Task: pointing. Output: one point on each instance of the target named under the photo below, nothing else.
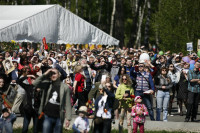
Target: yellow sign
(92, 46)
(68, 46)
(86, 46)
(99, 46)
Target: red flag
(45, 44)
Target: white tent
(55, 23)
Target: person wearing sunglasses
(174, 75)
(163, 85)
(144, 82)
(123, 94)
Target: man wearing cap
(193, 93)
(144, 82)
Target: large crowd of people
(102, 84)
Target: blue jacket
(6, 125)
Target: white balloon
(143, 57)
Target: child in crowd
(6, 121)
(69, 83)
(139, 111)
(81, 123)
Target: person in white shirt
(103, 108)
(81, 123)
(174, 75)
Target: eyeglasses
(164, 70)
(124, 79)
(108, 86)
(140, 66)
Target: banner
(189, 46)
(8, 65)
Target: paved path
(175, 122)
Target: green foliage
(176, 22)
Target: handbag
(98, 120)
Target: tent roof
(58, 25)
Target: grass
(19, 130)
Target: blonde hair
(129, 81)
(78, 69)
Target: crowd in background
(101, 84)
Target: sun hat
(82, 109)
(136, 98)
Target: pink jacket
(139, 118)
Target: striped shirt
(144, 81)
(193, 86)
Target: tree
(113, 17)
(176, 24)
(119, 22)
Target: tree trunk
(48, 2)
(119, 22)
(113, 17)
(108, 14)
(90, 10)
(69, 5)
(146, 32)
(141, 16)
(82, 8)
(135, 11)
(100, 9)
(76, 7)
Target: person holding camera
(55, 101)
(30, 108)
(123, 94)
(103, 108)
(103, 68)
